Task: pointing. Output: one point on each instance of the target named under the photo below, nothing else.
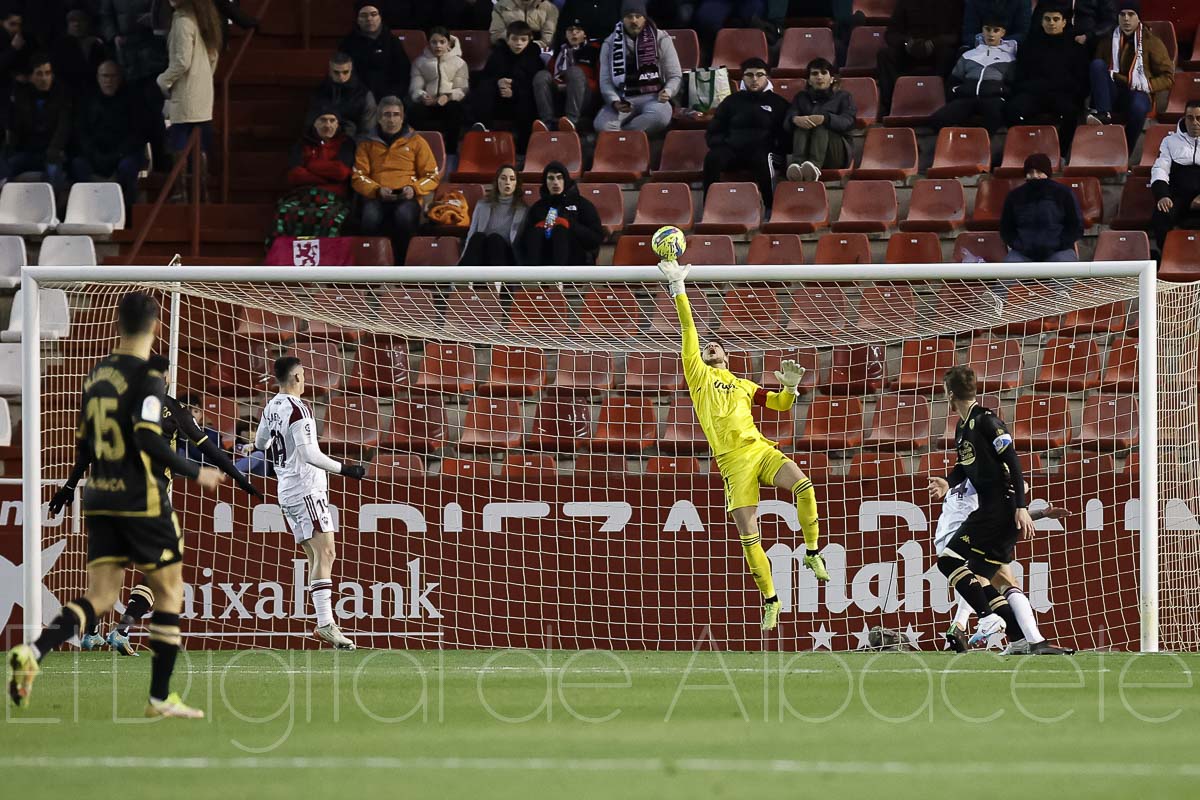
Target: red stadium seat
(1043, 421)
(1181, 256)
(843, 248)
(866, 101)
(989, 204)
(1079, 464)
(654, 372)
(915, 99)
(833, 423)
(447, 367)
(593, 465)
(432, 251)
(474, 312)
(1091, 200)
(961, 153)
(1165, 30)
(466, 468)
(709, 250)
(1108, 318)
(665, 319)
(886, 308)
(870, 464)
(561, 424)
(414, 42)
(1121, 372)
(621, 156)
(634, 251)
(1022, 142)
(221, 414)
(381, 366)
(547, 146)
(936, 205)
(682, 433)
(529, 468)
(888, 154)
(609, 203)
(1136, 208)
(749, 311)
(813, 464)
(476, 47)
(672, 465)
(997, 363)
(863, 53)
(687, 47)
(352, 426)
(901, 421)
(735, 45)
(396, 468)
(985, 245)
(807, 357)
(265, 326)
(923, 363)
(660, 204)
(481, 153)
(1110, 422)
(857, 369)
(800, 46)
(610, 309)
(515, 371)
(583, 372)
(418, 423)
(799, 208)
(937, 463)
(1099, 151)
(492, 424)
(1025, 300)
(914, 248)
(780, 248)
(867, 207)
(536, 308)
(1151, 143)
(1122, 246)
(733, 208)
(1068, 365)
(877, 11)
(414, 306)
(818, 309)
(335, 297)
(627, 424)
(437, 145)
(682, 157)
(322, 363)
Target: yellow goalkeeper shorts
(745, 469)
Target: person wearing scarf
(639, 74)
(570, 80)
(819, 120)
(1129, 69)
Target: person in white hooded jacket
(980, 82)
(438, 86)
(1175, 177)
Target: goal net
(537, 477)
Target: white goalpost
(536, 478)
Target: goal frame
(1145, 271)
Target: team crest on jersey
(306, 252)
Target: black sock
(140, 601)
(772, 599)
(808, 552)
(95, 629)
(963, 580)
(998, 605)
(77, 615)
(164, 644)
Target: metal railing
(192, 152)
(225, 81)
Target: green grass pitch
(559, 724)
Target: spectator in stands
(505, 90)
(110, 141)
(1128, 71)
(922, 38)
(320, 167)
(343, 91)
(439, 88)
(639, 74)
(77, 55)
(496, 223)
(747, 132)
(128, 28)
(379, 58)
(41, 125)
(1041, 220)
(187, 83)
(14, 59)
(597, 17)
(393, 169)
(1013, 15)
(819, 120)
(1175, 178)
(1051, 76)
(540, 15)
(1093, 21)
(566, 90)
(981, 81)
(562, 228)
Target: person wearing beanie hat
(1012, 15)
(562, 228)
(981, 81)
(1128, 71)
(1051, 76)
(639, 74)
(319, 171)
(571, 81)
(541, 15)
(379, 57)
(1041, 220)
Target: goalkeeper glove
(62, 498)
(354, 471)
(674, 272)
(789, 376)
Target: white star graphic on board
(822, 637)
(863, 637)
(913, 636)
(12, 586)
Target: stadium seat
(529, 468)
(915, 99)
(413, 41)
(866, 101)
(1107, 318)
(481, 153)
(961, 153)
(682, 157)
(681, 466)
(818, 309)
(583, 372)
(687, 47)
(873, 464)
(843, 248)
(447, 367)
(1121, 371)
(418, 423)
(561, 423)
(1043, 421)
(813, 464)
(888, 154)
(682, 433)
(885, 308)
(352, 426)
(660, 204)
(655, 373)
(473, 313)
(735, 45)
(937, 463)
(627, 424)
(1110, 422)
(432, 251)
(989, 204)
(476, 47)
(800, 46)
(868, 206)
(260, 325)
(536, 309)
(997, 363)
(396, 468)
(923, 364)
(10, 369)
(863, 52)
(1023, 141)
(1068, 365)
(900, 421)
(876, 11)
(798, 208)
(1151, 143)
(437, 146)
(936, 205)
(594, 465)
(914, 248)
(709, 250)
(780, 248)
(492, 423)
(515, 372)
(832, 423)
(664, 319)
(621, 157)
(1136, 207)
(12, 258)
(1122, 246)
(857, 369)
(1091, 198)
(1165, 30)
(787, 87)
(221, 414)
(807, 357)
(334, 297)
(732, 208)
(1181, 256)
(468, 468)
(609, 203)
(375, 251)
(1079, 464)
(94, 209)
(67, 251)
(323, 369)
(610, 310)
(749, 311)
(27, 209)
(473, 192)
(547, 146)
(381, 366)
(634, 251)
(415, 306)
(984, 246)
(1099, 151)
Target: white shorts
(311, 515)
(958, 505)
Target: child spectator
(496, 223)
(981, 81)
(566, 90)
(505, 89)
(439, 86)
(819, 121)
(319, 174)
(1012, 15)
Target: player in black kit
(127, 504)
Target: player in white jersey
(288, 435)
(960, 501)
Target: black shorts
(147, 543)
(987, 538)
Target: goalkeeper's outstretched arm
(693, 365)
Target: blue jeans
(1014, 257)
(254, 464)
(29, 161)
(1109, 96)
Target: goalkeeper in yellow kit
(745, 458)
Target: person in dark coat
(1051, 76)
(77, 55)
(110, 139)
(1013, 15)
(127, 27)
(747, 131)
(505, 90)
(1094, 21)
(562, 228)
(1041, 220)
(41, 125)
(379, 57)
(922, 38)
(344, 92)
(819, 120)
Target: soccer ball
(668, 243)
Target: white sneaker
(173, 706)
(810, 172)
(990, 624)
(333, 635)
(1018, 648)
(793, 173)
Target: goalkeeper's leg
(792, 478)
(746, 519)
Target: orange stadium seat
(863, 52)
(779, 248)
(1122, 246)
(260, 325)
(437, 145)
(833, 423)
(865, 92)
(997, 363)
(901, 421)
(682, 432)
(515, 371)
(1023, 141)
(1068, 365)
(672, 465)
(547, 146)
(466, 468)
(885, 307)
(733, 208)
(989, 204)
(1099, 151)
(799, 208)
(750, 310)
(888, 154)
(868, 206)
(923, 363)
(529, 467)
(936, 205)
(538, 308)
(1108, 318)
(800, 46)
(1121, 372)
(807, 357)
(481, 153)
(818, 309)
(874, 464)
(433, 251)
(610, 310)
(915, 99)
(814, 464)
(735, 45)
(1079, 463)
(1110, 422)
(654, 372)
(335, 297)
(634, 251)
(1181, 256)
(396, 468)
(561, 424)
(381, 366)
(975, 245)
(914, 248)
(352, 425)
(1043, 420)
(682, 157)
(709, 250)
(843, 248)
(609, 203)
(627, 424)
(583, 372)
(1151, 143)
(937, 463)
(961, 153)
(687, 47)
(593, 464)
(474, 312)
(1091, 199)
(1165, 30)
(621, 156)
(418, 423)
(476, 47)
(1136, 207)
(221, 414)
(492, 423)
(665, 319)
(447, 367)
(857, 369)
(660, 204)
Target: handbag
(707, 87)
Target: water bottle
(551, 217)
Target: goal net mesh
(537, 478)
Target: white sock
(962, 614)
(321, 591)
(1023, 611)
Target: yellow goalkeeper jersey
(722, 400)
